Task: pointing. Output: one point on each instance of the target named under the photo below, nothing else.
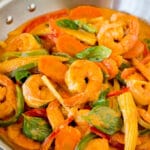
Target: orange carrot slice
(52, 67)
(85, 12)
(70, 45)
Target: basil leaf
(102, 100)
(85, 26)
(105, 119)
(95, 53)
(36, 128)
(120, 80)
(66, 23)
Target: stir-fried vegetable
(105, 119)
(19, 109)
(129, 111)
(95, 53)
(36, 128)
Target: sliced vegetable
(36, 128)
(130, 116)
(9, 55)
(85, 26)
(95, 53)
(67, 23)
(69, 44)
(86, 37)
(36, 112)
(105, 119)
(22, 73)
(102, 100)
(83, 142)
(19, 109)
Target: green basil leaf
(102, 100)
(105, 119)
(95, 53)
(66, 23)
(144, 131)
(85, 26)
(36, 128)
(120, 80)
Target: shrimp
(140, 91)
(23, 42)
(120, 34)
(35, 92)
(7, 96)
(17, 137)
(144, 114)
(84, 79)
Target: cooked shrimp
(120, 34)
(35, 92)
(144, 114)
(85, 77)
(23, 42)
(17, 137)
(7, 96)
(140, 91)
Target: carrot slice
(68, 44)
(44, 18)
(52, 67)
(85, 12)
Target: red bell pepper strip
(48, 141)
(117, 92)
(99, 133)
(45, 18)
(37, 112)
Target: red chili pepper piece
(37, 112)
(117, 92)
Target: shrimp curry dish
(76, 79)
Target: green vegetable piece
(85, 26)
(67, 23)
(21, 73)
(144, 131)
(124, 65)
(37, 39)
(9, 55)
(105, 119)
(95, 53)
(83, 143)
(102, 100)
(20, 76)
(121, 81)
(147, 42)
(19, 110)
(36, 128)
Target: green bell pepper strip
(83, 143)
(9, 55)
(19, 110)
